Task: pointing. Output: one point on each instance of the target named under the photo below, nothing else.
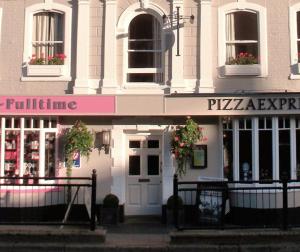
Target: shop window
(242, 39)
(144, 50)
(227, 149)
(245, 149)
(47, 46)
(265, 141)
(284, 148)
(29, 150)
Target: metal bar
(175, 194)
(93, 203)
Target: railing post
(175, 194)
(284, 202)
(93, 201)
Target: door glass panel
(134, 144)
(134, 165)
(50, 154)
(153, 165)
(154, 144)
(31, 153)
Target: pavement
(143, 235)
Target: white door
(143, 171)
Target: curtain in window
(230, 36)
(47, 34)
(157, 47)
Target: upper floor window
(144, 50)
(47, 43)
(242, 39)
(48, 38)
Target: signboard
(57, 105)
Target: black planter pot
(109, 216)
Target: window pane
(245, 157)
(142, 77)
(227, 154)
(284, 153)
(153, 144)
(265, 154)
(143, 45)
(48, 34)
(241, 25)
(50, 154)
(298, 26)
(134, 165)
(234, 49)
(31, 153)
(153, 165)
(134, 144)
(298, 152)
(141, 60)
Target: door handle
(144, 180)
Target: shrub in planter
(170, 208)
(110, 209)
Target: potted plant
(110, 209)
(244, 64)
(182, 144)
(46, 66)
(171, 207)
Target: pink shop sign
(57, 105)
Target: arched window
(144, 50)
(47, 35)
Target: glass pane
(298, 152)
(31, 153)
(242, 25)
(141, 60)
(233, 50)
(134, 165)
(265, 154)
(11, 156)
(228, 155)
(142, 77)
(245, 151)
(284, 154)
(298, 25)
(153, 165)
(144, 26)
(144, 45)
(50, 155)
(134, 144)
(153, 144)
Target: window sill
(46, 70)
(46, 78)
(242, 70)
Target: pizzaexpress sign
(260, 104)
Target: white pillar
(109, 83)
(177, 82)
(205, 83)
(82, 52)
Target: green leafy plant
(243, 58)
(182, 144)
(57, 59)
(110, 201)
(77, 139)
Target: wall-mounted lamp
(177, 17)
(105, 140)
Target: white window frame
(27, 54)
(122, 32)
(295, 71)
(245, 70)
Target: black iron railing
(237, 204)
(48, 200)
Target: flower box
(45, 70)
(242, 69)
